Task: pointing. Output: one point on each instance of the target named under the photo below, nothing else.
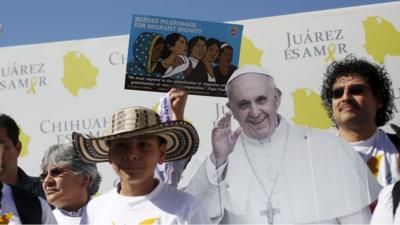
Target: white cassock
(310, 176)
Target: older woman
(68, 183)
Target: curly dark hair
(376, 75)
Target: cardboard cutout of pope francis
(270, 171)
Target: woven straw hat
(181, 137)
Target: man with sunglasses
(359, 99)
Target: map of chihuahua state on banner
(79, 73)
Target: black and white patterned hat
(181, 137)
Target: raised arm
(171, 172)
(223, 140)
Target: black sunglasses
(54, 172)
(356, 89)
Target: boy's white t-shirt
(8, 207)
(71, 218)
(164, 205)
(381, 156)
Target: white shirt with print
(381, 156)
(8, 207)
(164, 205)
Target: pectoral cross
(270, 212)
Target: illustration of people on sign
(197, 51)
(209, 60)
(174, 58)
(224, 68)
(204, 60)
(196, 55)
(146, 58)
(212, 53)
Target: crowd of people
(266, 171)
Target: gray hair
(65, 155)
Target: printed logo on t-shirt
(149, 221)
(5, 219)
(373, 163)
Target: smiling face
(356, 104)
(62, 187)
(135, 159)
(254, 103)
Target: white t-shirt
(381, 156)
(71, 218)
(164, 205)
(383, 213)
(8, 207)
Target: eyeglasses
(55, 172)
(356, 89)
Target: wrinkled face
(62, 187)
(156, 54)
(254, 104)
(353, 102)
(226, 56)
(180, 47)
(10, 154)
(135, 159)
(212, 53)
(199, 49)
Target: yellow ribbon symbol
(374, 164)
(331, 53)
(5, 219)
(149, 221)
(32, 86)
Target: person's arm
(223, 140)
(361, 217)
(198, 215)
(178, 98)
(208, 182)
(208, 186)
(171, 172)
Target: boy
(138, 141)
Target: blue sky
(27, 22)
